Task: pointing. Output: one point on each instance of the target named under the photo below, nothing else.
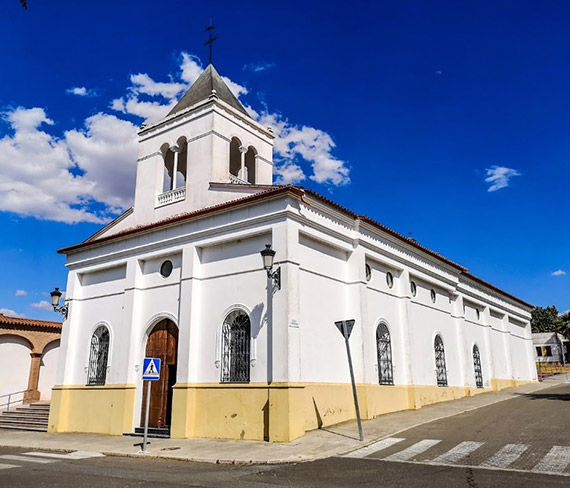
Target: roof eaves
(382, 227)
(185, 217)
(496, 289)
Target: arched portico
(37, 334)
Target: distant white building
(179, 276)
(549, 347)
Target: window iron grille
(236, 334)
(98, 357)
(477, 366)
(440, 367)
(384, 350)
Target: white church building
(246, 355)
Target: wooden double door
(162, 343)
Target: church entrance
(162, 343)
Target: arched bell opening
(235, 156)
(250, 157)
(175, 165)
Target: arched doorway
(162, 343)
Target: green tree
(546, 320)
(564, 328)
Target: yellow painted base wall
(279, 412)
(95, 409)
(233, 411)
(329, 404)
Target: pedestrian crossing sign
(151, 369)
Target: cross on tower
(210, 40)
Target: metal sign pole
(345, 328)
(146, 416)
(360, 435)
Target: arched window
(440, 369)
(477, 367)
(384, 351)
(236, 334)
(98, 356)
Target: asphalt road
(457, 450)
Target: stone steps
(163, 433)
(32, 417)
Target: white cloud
(311, 145)
(259, 66)
(21, 293)
(143, 83)
(39, 175)
(81, 91)
(558, 272)
(190, 68)
(43, 305)
(106, 149)
(7, 312)
(289, 173)
(499, 176)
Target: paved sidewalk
(331, 441)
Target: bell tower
(206, 151)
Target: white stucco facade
(334, 266)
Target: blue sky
(398, 110)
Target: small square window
(389, 279)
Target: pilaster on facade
(458, 314)
(290, 277)
(130, 321)
(486, 319)
(68, 364)
(190, 313)
(405, 336)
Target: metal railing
(12, 402)
(545, 369)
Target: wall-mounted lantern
(268, 255)
(55, 298)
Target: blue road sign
(151, 369)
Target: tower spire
(211, 39)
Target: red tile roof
(4, 320)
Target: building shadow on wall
(258, 320)
(328, 429)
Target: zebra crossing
(468, 453)
(30, 458)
